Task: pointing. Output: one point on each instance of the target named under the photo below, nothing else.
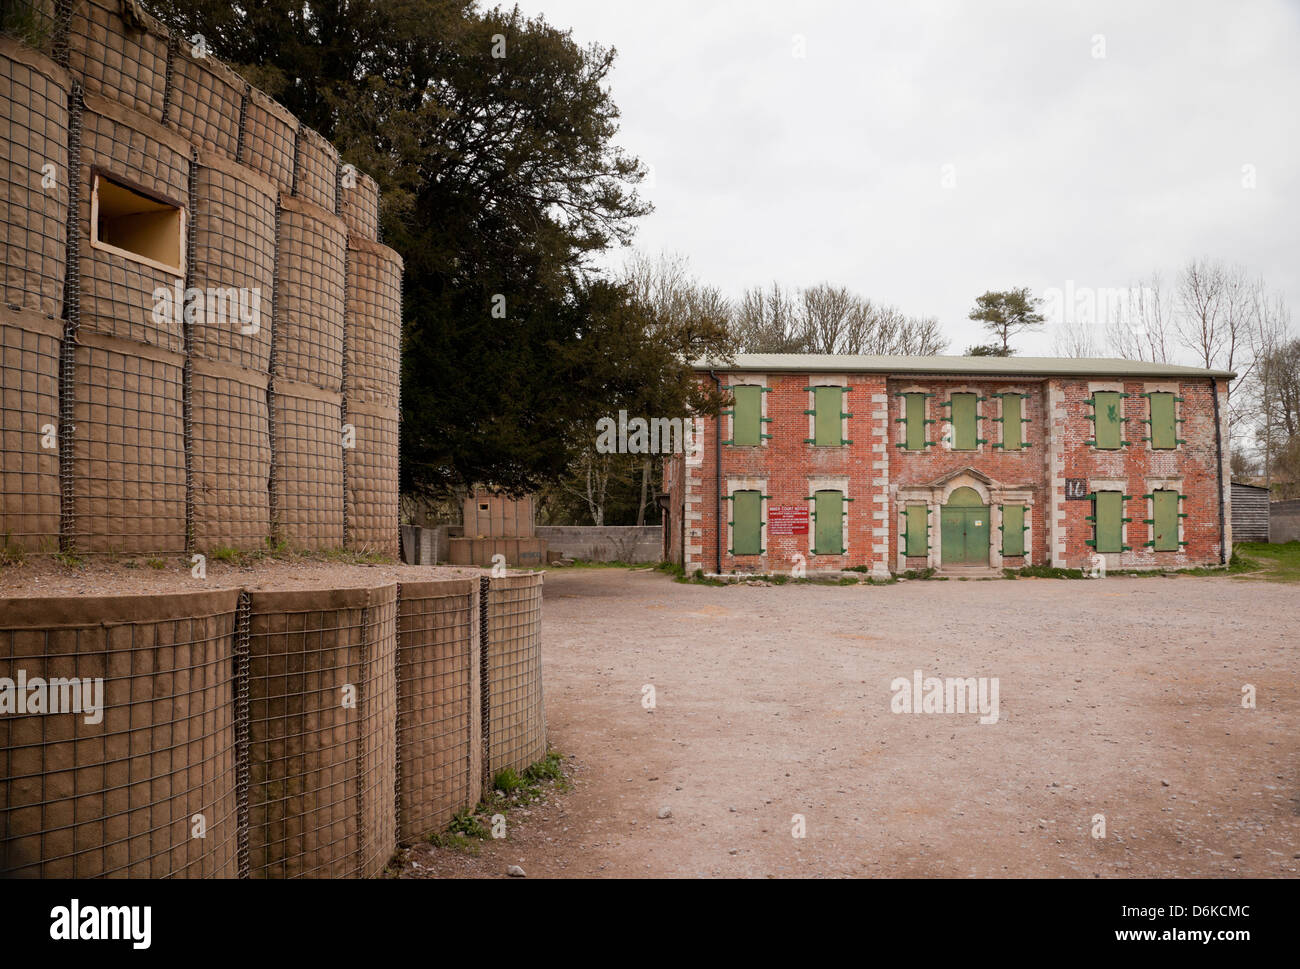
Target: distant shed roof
(957, 366)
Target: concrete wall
(605, 543)
(1284, 521)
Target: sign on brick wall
(1076, 488)
(787, 520)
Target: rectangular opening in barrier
(137, 226)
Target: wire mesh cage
(34, 181)
(370, 476)
(321, 732)
(120, 292)
(205, 100)
(372, 370)
(129, 448)
(145, 787)
(270, 130)
(516, 712)
(123, 61)
(359, 204)
(316, 170)
(439, 757)
(231, 459)
(309, 302)
(234, 264)
(307, 452)
(29, 420)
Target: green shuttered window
(1164, 426)
(828, 509)
(1108, 521)
(747, 416)
(1165, 538)
(1108, 414)
(1013, 529)
(746, 523)
(965, 429)
(918, 525)
(1012, 433)
(914, 415)
(828, 405)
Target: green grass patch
(1279, 562)
(507, 781)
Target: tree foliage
(1006, 314)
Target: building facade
(953, 463)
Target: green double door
(964, 527)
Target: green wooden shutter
(1108, 521)
(1166, 521)
(829, 512)
(1011, 432)
(918, 518)
(828, 403)
(1013, 529)
(746, 523)
(1164, 429)
(1108, 409)
(915, 416)
(963, 422)
(746, 425)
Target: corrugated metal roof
(954, 365)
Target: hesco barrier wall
(234, 250)
(516, 714)
(33, 198)
(439, 758)
(127, 795)
(129, 450)
(29, 412)
(126, 62)
(117, 292)
(316, 170)
(370, 473)
(321, 723)
(308, 446)
(270, 130)
(231, 456)
(232, 235)
(302, 733)
(359, 205)
(372, 370)
(309, 319)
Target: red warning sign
(787, 520)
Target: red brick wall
(1028, 466)
(875, 467)
(1193, 461)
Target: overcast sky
(1065, 165)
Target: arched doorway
(964, 529)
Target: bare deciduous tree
(830, 319)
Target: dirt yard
(1120, 697)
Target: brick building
(957, 463)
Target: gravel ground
(46, 576)
(1119, 697)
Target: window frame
(98, 174)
